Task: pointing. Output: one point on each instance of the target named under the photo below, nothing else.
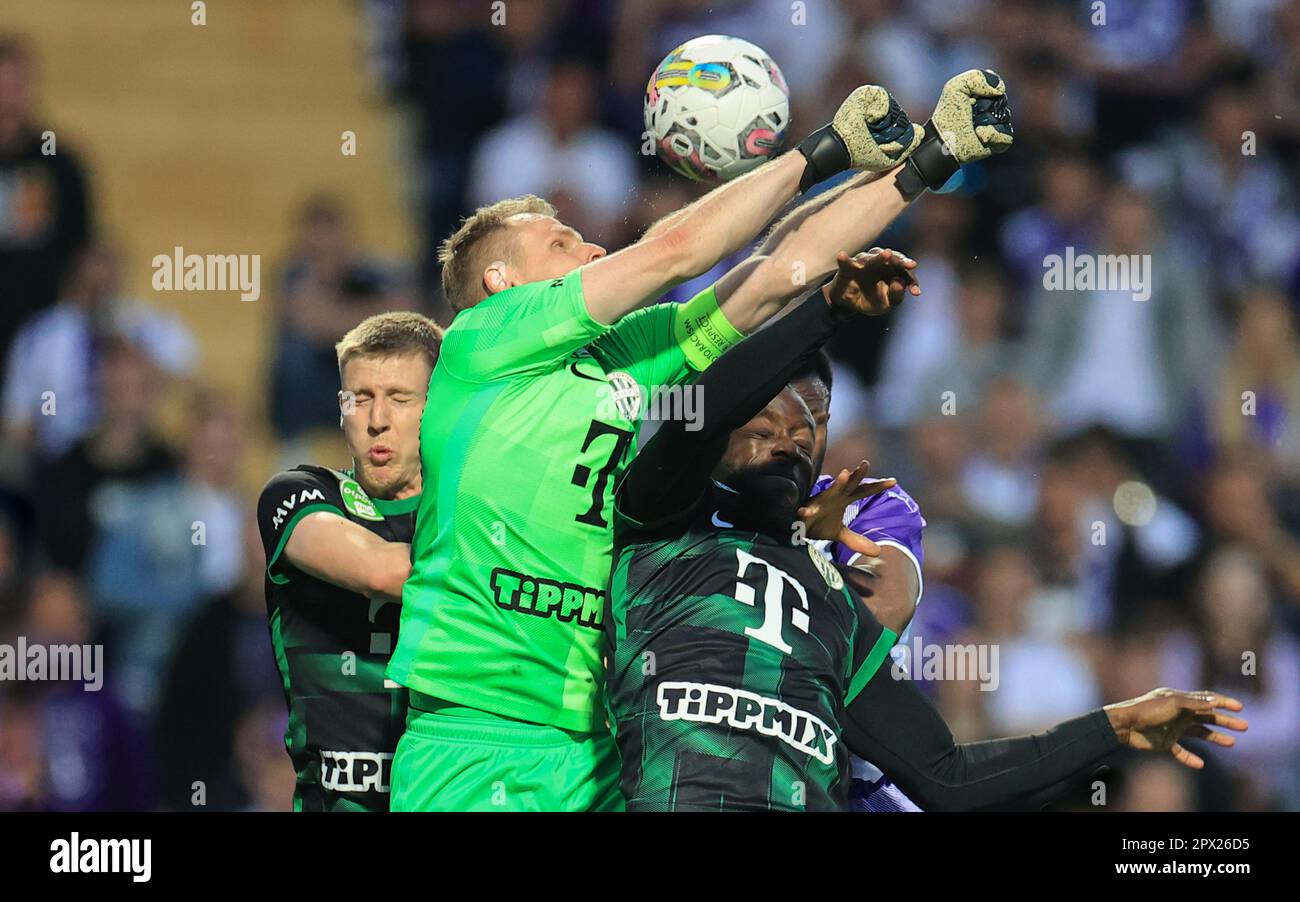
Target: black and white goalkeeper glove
(972, 121)
(870, 131)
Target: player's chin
(778, 492)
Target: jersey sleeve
(890, 518)
(285, 500)
(519, 330)
(871, 644)
(668, 344)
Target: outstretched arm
(802, 249)
(893, 725)
(670, 473)
(716, 225)
(869, 132)
(970, 122)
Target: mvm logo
(292, 503)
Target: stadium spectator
(50, 399)
(1239, 508)
(123, 447)
(1218, 176)
(1107, 354)
(558, 150)
(1064, 216)
(1242, 650)
(164, 545)
(329, 285)
(926, 333)
(44, 209)
(981, 354)
(91, 753)
(1039, 677)
(224, 645)
(1255, 397)
(998, 477)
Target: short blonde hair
(390, 335)
(465, 254)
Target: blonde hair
(464, 255)
(389, 335)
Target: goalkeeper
(501, 641)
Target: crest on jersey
(825, 568)
(626, 394)
(356, 500)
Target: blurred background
(1112, 487)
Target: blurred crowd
(1112, 485)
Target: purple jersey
(891, 518)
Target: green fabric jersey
(531, 418)
(331, 646)
(734, 655)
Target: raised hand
(870, 131)
(823, 515)
(972, 116)
(871, 283)
(1157, 721)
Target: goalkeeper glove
(870, 131)
(971, 122)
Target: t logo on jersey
(773, 593)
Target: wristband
(703, 331)
(827, 155)
(929, 166)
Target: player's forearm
(850, 222)
(891, 724)
(806, 251)
(685, 246)
(347, 555)
(728, 217)
(786, 225)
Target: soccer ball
(717, 107)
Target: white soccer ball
(716, 107)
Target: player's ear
(495, 278)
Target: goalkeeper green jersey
(531, 418)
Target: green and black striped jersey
(743, 669)
(734, 655)
(332, 645)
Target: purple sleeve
(892, 516)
